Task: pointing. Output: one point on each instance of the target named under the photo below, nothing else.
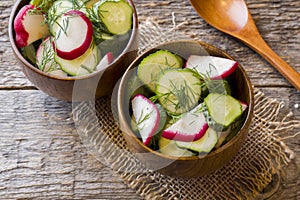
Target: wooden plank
(41, 155)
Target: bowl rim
(26, 63)
(147, 149)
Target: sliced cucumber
(223, 109)
(163, 117)
(178, 90)
(169, 147)
(203, 145)
(163, 57)
(217, 86)
(82, 65)
(43, 4)
(116, 15)
(29, 53)
(153, 65)
(89, 3)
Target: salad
(184, 107)
(73, 37)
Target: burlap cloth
(258, 163)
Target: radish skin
(105, 61)
(76, 36)
(192, 126)
(147, 117)
(214, 67)
(29, 27)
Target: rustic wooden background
(41, 155)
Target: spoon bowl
(233, 17)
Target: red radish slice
(73, 35)
(214, 67)
(147, 117)
(244, 106)
(105, 61)
(29, 26)
(192, 126)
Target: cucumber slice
(82, 65)
(43, 4)
(153, 65)
(169, 147)
(89, 3)
(29, 53)
(116, 16)
(223, 109)
(203, 145)
(163, 117)
(178, 90)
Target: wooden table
(41, 155)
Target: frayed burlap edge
(262, 157)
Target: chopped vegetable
(29, 26)
(190, 127)
(223, 109)
(212, 66)
(204, 145)
(178, 90)
(146, 116)
(153, 65)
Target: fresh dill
(142, 118)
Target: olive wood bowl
(99, 83)
(186, 167)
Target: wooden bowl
(194, 166)
(90, 86)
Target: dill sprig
(143, 117)
(100, 31)
(213, 86)
(181, 96)
(47, 63)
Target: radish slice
(29, 26)
(146, 116)
(244, 106)
(192, 126)
(73, 35)
(105, 61)
(211, 66)
(45, 56)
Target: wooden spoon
(234, 18)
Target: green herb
(143, 118)
(183, 95)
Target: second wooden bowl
(194, 166)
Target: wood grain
(41, 155)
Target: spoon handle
(257, 43)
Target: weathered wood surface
(41, 155)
